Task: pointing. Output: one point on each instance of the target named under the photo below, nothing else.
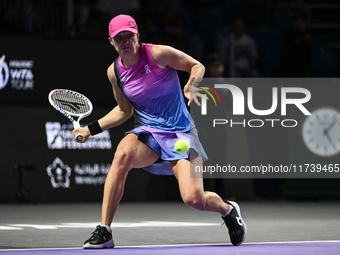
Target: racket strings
(71, 102)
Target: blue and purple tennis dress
(160, 113)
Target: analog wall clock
(321, 132)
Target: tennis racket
(71, 104)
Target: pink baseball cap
(122, 23)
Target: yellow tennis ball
(181, 146)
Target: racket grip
(79, 137)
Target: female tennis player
(146, 85)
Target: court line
(177, 245)
(218, 244)
(10, 227)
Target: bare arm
(122, 111)
(166, 56)
(117, 115)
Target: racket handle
(79, 137)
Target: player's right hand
(84, 131)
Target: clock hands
(326, 131)
(329, 138)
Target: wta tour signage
(17, 73)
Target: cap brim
(132, 30)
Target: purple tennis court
(301, 248)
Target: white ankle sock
(230, 208)
(108, 228)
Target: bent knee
(123, 158)
(195, 201)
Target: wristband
(95, 128)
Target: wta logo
(18, 73)
(4, 72)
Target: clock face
(321, 132)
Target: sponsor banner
(17, 74)
(60, 136)
(80, 173)
(30, 70)
(62, 170)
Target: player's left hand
(192, 92)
